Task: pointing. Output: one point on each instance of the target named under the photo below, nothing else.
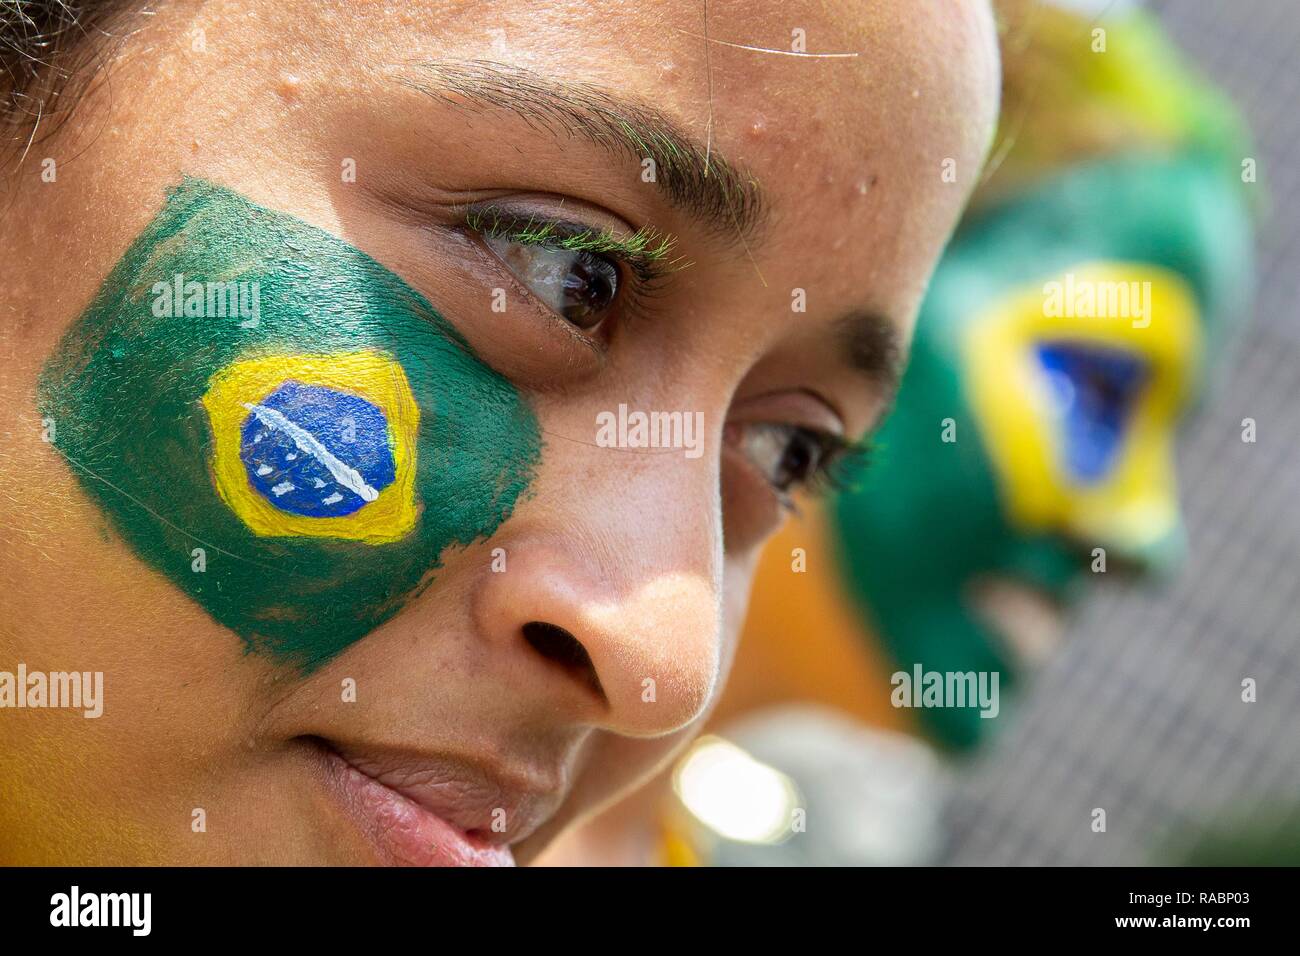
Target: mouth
(417, 811)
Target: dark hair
(49, 51)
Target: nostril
(560, 647)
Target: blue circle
(316, 451)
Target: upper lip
(494, 805)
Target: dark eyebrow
(874, 347)
(692, 176)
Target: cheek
(280, 425)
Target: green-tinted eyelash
(841, 464)
(844, 461)
(647, 252)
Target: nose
(619, 631)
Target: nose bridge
(631, 570)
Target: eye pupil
(578, 285)
(786, 455)
(589, 289)
(798, 461)
(793, 463)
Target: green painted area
(124, 387)
(926, 520)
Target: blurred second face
(1073, 322)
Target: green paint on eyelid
(125, 390)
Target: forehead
(863, 159)
(875, 135)
(850, 144)
(901, 79)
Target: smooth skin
(645, 560)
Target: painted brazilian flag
(316, 445)
(323, 448)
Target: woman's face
(489, 237)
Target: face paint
(323, 455)
(1063, 421)
(327, 452)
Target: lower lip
(403, 832)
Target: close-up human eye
(556, 433)
(581, 273)
(790, 457)
(579, 285)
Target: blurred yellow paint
(1134, 505)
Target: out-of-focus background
(1141, 712)
(1136, 736)
(1150, 709)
